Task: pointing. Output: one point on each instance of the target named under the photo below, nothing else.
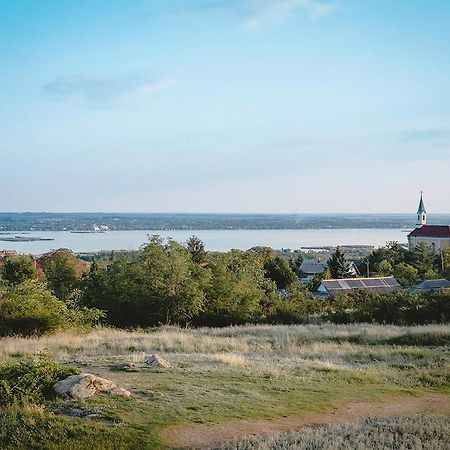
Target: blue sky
(224, 105)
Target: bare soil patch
(206, 435)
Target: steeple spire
(421, 212)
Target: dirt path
(205, 435)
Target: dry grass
(418, 432)
(308, 351)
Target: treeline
(181, 284)
(408, 267)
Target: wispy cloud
(250, 15)
(429, 134)
(101, 90)
(262, 13)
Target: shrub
(30, 380)
(29, 308)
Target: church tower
(421, 212)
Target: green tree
(385, 268)
(29, 308)
(279, 271)
(17, 269)
(406, 274)
(338, 266)
(173, 281)
(196, 248)
(237, 291)
(60, 269)
(423, 259)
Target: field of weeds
(235, 373)
(417, 432)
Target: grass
(229, 373)
(418, 432)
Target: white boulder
(156, 361)
(83, 386)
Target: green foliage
(338, 266)
(385, 268)
(295, 309)
(406, 274)
(26, 429)
(17, 269)
(60, 272)
(403, 308)
(279, 271)
(30, 380)
(237, 289)
(29, 308)
(197, 250)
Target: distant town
(33, 221)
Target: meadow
(223, 377)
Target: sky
(224, 105)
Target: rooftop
(435, 231)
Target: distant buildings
(312, 267)
(437, 237)
(430, 285)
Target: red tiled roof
(433, 231)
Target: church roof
(432, 231)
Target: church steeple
(421, 212)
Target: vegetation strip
(206, 435)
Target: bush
(402, 308)
(30, 380)
(29, 308)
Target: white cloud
(105, 89)
(263, 13)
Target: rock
(83, 386)
(156, 361)
(128, 367)
(120, 391)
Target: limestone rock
(83, 386)
(119, 391)
(127, 367)
(156, 361)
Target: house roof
(313, 267)
(431, 285)
(433, 231)
(382, 284)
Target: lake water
(219, 240)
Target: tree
(423, 259)
(237, 291)
(60, 268)
(406, 274)
(172, 280)
(279, 271)
(338, 266)
(196, 248)
(17, 269)
(30, 308)
(385, 268)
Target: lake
(215, 240)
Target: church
(437, 237)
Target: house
(381, 285)
(312, 267)
(430, 285)
(437, 237)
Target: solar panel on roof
(373, 283)
(354, 284)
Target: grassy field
(222, 375)
(430, 432)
